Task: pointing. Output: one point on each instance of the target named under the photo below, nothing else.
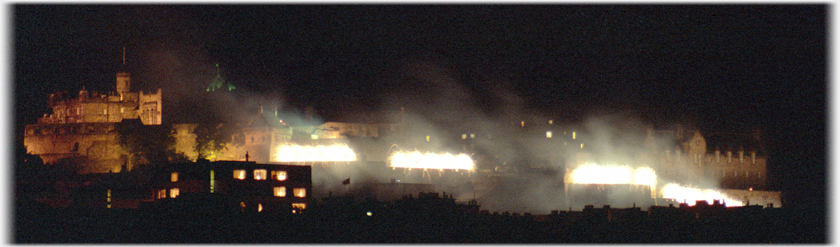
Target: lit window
(550, 121)
(259, 174)
(161, 194)
(239, 174)
(279, 175)
(280, 191)
(259, 207)
(463, 136)
(472, 136)
(174, 177)
(573, 135)
(299, 192)
(548, 134)
(299, 206)
(427, 138)
(522, 124)
(174, 192)
(212, 181)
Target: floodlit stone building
(84, 126)
(737, 160)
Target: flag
(346, 181)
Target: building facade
(254, 187)
(84, 126)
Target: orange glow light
(299, 192)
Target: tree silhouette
(147, 143)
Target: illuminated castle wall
(735, 159)
(105, 108)
(84, 126)
(95, 141)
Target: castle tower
(123, 82)
(123, 79)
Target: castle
(84, 126)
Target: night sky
(727, 68)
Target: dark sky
(728, 68)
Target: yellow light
(463, 136)
(427, 138)
(417, 159)
(573, 135)
(297, 153)
(548, 134)
(298, 206)
(174, 177)
(259, 207)
(280, 175)
(174, 192)
(212, 181)
(239, 174)
(522, 124)
(299, 192)
(691, 195)
(280, 191)
(259, 174)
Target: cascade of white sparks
(691, 195)
(417, 159)
(319, 153)
(594, 174)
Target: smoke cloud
(519, 168)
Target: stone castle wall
(97, 142)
